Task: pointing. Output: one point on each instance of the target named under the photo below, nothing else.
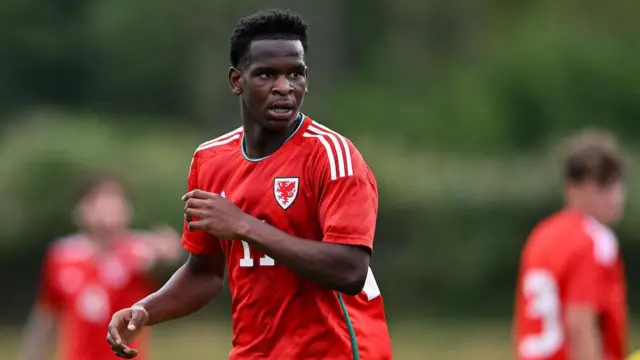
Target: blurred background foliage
(457, 106)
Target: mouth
(281, 110)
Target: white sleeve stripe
(327, 147)
(335, 144)
(234, 132)
(217, 143)
(344, 143)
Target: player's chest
(72, 278)
(273, 189)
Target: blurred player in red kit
(288, 208)
(571, 297)
(89, 275)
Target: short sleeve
(49, 295)
(585, 277)
(348, 197)
(198, 242)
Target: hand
(166, 242)
(124, 327)
(216, 215)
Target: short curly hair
(274, 24)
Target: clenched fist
(215, 214)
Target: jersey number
(543, 303)
(247, 260)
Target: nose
(282, 86)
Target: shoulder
(332, 151)
(556, 237)
(218, 145)
(74, 247)
(603, 243)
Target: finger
(119, 351)
(195, 213)
(187, 196)
(114, 335)
(111, 341)
(125, 353)
(194, 203)
(197, 225)
(198, 194)
(193, 194)
(136, 320)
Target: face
(272, 83)
(603, 202)
(105, 210)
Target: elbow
(353, 283)
(210, 288)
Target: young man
(88, 275)
(288, 207)
(571, 297)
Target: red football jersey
(316, 186)
(569, 259)
(84, 286)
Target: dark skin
(274, 74)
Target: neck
(260, 142)
(104, 239)
(581, 208)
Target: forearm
(584, 344)
(326, 264)
(37, 335)
(584, 338)
(184, 294)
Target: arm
(190, 288)
(347, 208)
(347, 211)
(42, 319)
(584, 284)
(338, 267)
(584, 334)
(198, 281)
(37, 334)
(158, 249)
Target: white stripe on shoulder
(336, 145)
(221, 140)
(349, 165)
(327, 147)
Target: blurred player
(288, 207)
(571, 298)
(89, 275)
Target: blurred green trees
(455, 105)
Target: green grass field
(411, 341)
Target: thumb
(138, 314)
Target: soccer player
(288, 208)
(571, 295)
(88, 275)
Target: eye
(264, 75)
(295, 75)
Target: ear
(235, 81)
(306, 76)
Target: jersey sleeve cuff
(197, 249)
(349, 240)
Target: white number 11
(247, 261)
